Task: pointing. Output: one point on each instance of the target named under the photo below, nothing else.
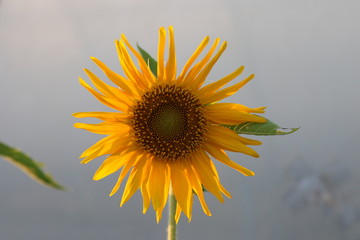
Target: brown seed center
(169, 122)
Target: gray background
(305, 55)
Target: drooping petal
(159, 181)
(221, 156)
(181, 187)
(177, 213)
(111, 164)
(135, 180)
(107, 145)
(202, 168)
(197, 187)
(129, 164)
(144, 187)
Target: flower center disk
(169, 122)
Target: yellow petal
(171, 63)
(222, 188)
(202, 168)
(105, 116)
(144, 187)
(196, 184)
(212, 87)
(189, 78)
(143, 66)
(177, 213)
(107, 90)
(193, 57)
(159, 181)
(221, 156)
(181, 187)
(217, 96)
(130, 163)
(130, 69)
(110, 165)
(106, 128)
(199, 80)
(110, 102)
(160, 54)
(120, 81)
(107, 145)
(228, 140)
(230, 113)
(135, 180)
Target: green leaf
(267, 128)
(28, 165)
(150, 61)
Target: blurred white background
(305, 55)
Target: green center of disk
(168, 122)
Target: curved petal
(129, 164)
(117, 79)
(217, 96)
(135, 179)
(228, 140)
(194, 71)
(143, 66)
(111, 164)
(193, 57)
(203, 170)
(110, 102)
(107, 145)
(212, 87)
(221, 156)
(230, 113)
(199, 80)
(197, 187)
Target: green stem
(172, 224)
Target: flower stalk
(172, 234)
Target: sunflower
(166, 126)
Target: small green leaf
(267, 128)
(150, 61)
(28, 165)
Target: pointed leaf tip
(28, 165)
(267, 128)
(150, 61)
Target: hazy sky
(305, 55)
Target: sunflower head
(167, 128)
